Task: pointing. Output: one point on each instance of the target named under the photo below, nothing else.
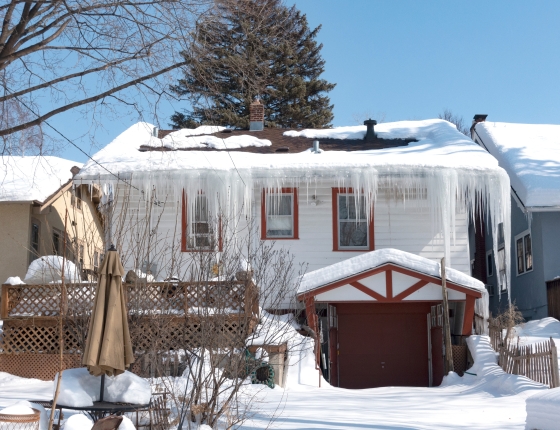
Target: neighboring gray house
(530, 153)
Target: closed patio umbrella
(108, 349)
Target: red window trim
(371, 238)
(184, 218)
(295, 214)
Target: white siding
(407, 227)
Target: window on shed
(34, 238)
(279, 214)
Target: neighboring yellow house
(37, 194)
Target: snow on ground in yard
(32, 178)
(487, 398)
(530, 153)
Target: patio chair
(112, 422)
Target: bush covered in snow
(49, 269)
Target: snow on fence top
(530, 153)
(32, 178)
(370, 260)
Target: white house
(325, 195)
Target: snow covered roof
(438, 144)
(370, 260)
(530, 153)
(32, 178)
(202, 138)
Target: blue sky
(398, 60)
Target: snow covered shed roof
(427, 144)
(530, 153)
(33, 178)
(365, 262)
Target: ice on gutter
(454, 173)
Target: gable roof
(364, 263)
(33, 178)
(530, 153)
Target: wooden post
(5, 302)
(554, 365)
(60, 330)
(446, 329)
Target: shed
(379, 320)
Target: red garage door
(383, 344)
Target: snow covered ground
(486, 399)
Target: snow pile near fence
(79, 388)
(49, 269)
(531, 155)
(537, 331)
(32, 178)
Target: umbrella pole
(102, 387)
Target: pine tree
(254, 48)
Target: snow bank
(369, 260)
(530, 153)
(14, 280)
(543, 410)
(79, 388)
(32, 178)
(49, 269)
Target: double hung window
(351, 228)
(524, 252)
(198, 230)
(279, 214)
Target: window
(57, 241)
(34, 240)
(198, 232)
(279, 214)
(501, 258)
(524, 252)
(96, 261)
(351, 229)
(489, 264)
(76, 199)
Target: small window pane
(500, 233)
(528, 253)
(347, 208)
(353, 234)
(490, 264)
(520, 263)
(279, 205)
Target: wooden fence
(538, 362)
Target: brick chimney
(256, 116)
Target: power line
(74, 145)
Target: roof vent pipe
(316, 149)
(370, 133)
(155, 132)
